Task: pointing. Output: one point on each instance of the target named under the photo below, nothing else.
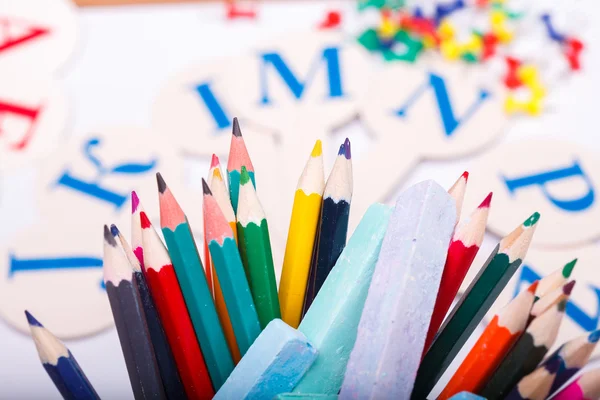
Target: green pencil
(192, 280)
(255, 249)
(473, 305)
(230, 271)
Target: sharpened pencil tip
(144, 221)
(108, 237)
(532, 220)
(487, 201)
(594, 336)
(465, 175)
(533, 287)
(342, 150)
(135, 201)
(114, 230)
(317, 149)
(205, 188)
(244, 176)
(236, 131)
(568, 287)
(31, 320)
(214, 161)
(347, 151)
(162, 186)
(568, 268)
(562, 305)
(553, 365)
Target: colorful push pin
(387, 29)
(573, 48)
(533, 106)
(412, 47)
(552, 32)
(529, 75)
(446, 30)
(442, 10)
(499, 26)
(450, 49)
(421, 26)
(511, 79)
(482, 3)
(233, 12)
(490, 44)
(333, 19)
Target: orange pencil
(499, 336)
(221, 195)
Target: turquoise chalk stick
(305, 396)
(332, 320)
(274, 364)
(466, 396)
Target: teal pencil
(238, 158)
(192, 280)
(230, 271)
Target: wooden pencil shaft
(463, 320)
(164, 356)
(69, 379)
(132, 329)
(234, 186)
(199, 302)
(255, 251)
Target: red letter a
(21, 112)
(14, 33)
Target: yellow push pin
(499, 26)
(450, 49)
(388, 28)
(446, 30)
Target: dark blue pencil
(132, 328)
(164, 356)
(60, 364)
(333, 224)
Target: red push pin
(573, 49)
(482, 3)
(511, 80)
(233, 12)
(490, 42)
(332, 20)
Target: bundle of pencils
(370, 317)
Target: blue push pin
(443, 10)
(552, 33)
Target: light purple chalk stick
(274, 364)
(395, 319)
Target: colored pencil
(586, 387)
(59, 363)
(221, 195)
(536, 385)
(136, 228)
(192, 281)
(498, 337)
(238, 157)
(132, 328)
(551, 299)
(556, 279)
(573, 356)
(526, 354)
(214, 165)
(473, 305)
(164, 356)
(301, 236)
(173, 313)
(255, 250)
(457, 192)
(463, 248)
(228, 265)
(333, 224)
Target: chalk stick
(274, 364)
(395, 319)
(466, 396)
(331, 321)
(305, 396)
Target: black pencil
(333, 224)
(164, 356)
(526, 354)
(130, 321)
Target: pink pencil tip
(135, 201)
(487, 201)
(533, 287)
(466, 175)
(214, 162)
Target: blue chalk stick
(274, 364)
(332, 320)
(466, 396)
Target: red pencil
(174, 315)
(461, 253)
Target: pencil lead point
(487, 201)
(244, 176)
(347, 152)
(594, 336)
(532, 220)
(108, 237)
(317, 149)
(162, 186)
(568, 288)
(135, 201)
(114, 230)
(342, 150)
(533, 287)
(553, 365)
(144, 220)
(236, 131)
(562, 305)
(31, 320)
(214, 162)
(465, 175)
(205, 188)
(568, 268)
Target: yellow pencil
(221, 195)
(301, 236)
